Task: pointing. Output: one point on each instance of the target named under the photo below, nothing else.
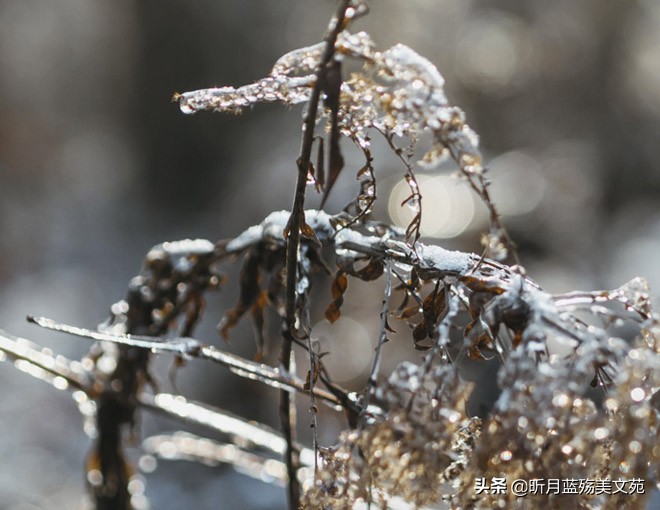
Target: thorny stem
(293, 242)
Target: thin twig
(48, 367)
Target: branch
(192, 348)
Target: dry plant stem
(293, 242)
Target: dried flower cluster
(579, 372)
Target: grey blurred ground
(96, 166)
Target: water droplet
(637, 394)
(601, 433)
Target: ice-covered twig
(240, 431)
(43, 364)
(192, 348)
(67, 374)
(186, 446)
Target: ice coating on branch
(273, 227)
(180, 253)
(347, 235)
(450, 261)
(636, 295)
(289, 81)
(397, 90)
(282, 88)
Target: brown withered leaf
(517, 338)
(372, 271)
(467, 332)
(332, 88)
(338, 288)
(419, 332)
(312, 377)
(404, 302)
(228, 322)
(308, 232)
(249, 291)
(339, 285)
(480, 285)
(364, 171)
(332, 312)
(475, 354)
(275, 287)
(414, 278)
(432, 307)
(257, 311)
(413, 230)
(320, 165)
(479, 342)
(194, 311)
(409, 312)
(388, 327)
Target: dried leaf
(480, 285)
(372, 271)
(257, 311)
(420, 332)
(250, 289)
(312, 377)
(338, 288)
(433, 306)
(320, 165)
(339, 285)
(308, 232)
(388, 327)
(332, 90)
(194, 311)
(475, 354)
(409, 312)
(404, 302)
(364, 171)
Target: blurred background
(97, 165)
